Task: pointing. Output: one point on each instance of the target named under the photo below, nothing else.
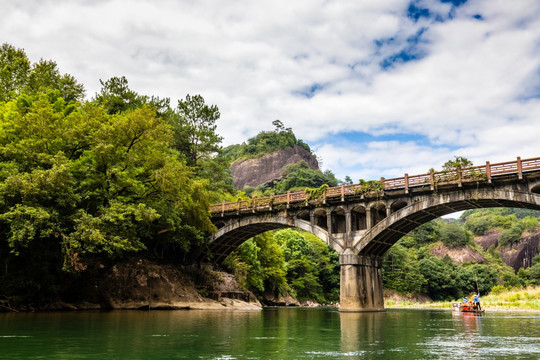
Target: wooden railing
(432, 179)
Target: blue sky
(377, 88)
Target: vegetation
(369, 187)
(409, 267)
(287, 262)
(295, 177)
(89, 182)
(100, 179)
(264, 143)
(527, 298)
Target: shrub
(453, 235)
(512, 235)
(497, 289)
(479, 225)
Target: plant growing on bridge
(317, 193)
(453, 170)
(369, 187)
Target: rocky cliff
(459, 255)
(521, 254)
(517, 255)
(268, 168)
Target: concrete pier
(361, 283)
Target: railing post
(432, 178)
(382, 182)
(406, 183)
(288, 198)
(342, 192)
(460, 177)
(519, 168)
(488, 172)
(223, 208)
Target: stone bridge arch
(234, 232)
(377, 240)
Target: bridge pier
(361, 287)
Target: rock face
(459, 255)
(287, 300)
(520, 254)
(268, 168)
(144, 285)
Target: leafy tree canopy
(18, 76)
(99, 179)
(264, 143)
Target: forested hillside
(412, 266)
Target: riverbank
(144, 285)
(527, 299)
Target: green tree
(511, 235)
(45, 75)
(458, 163)
(302, 275)
(272, 264)
(259, 264)
(453, 235)
(533, 273)
(327, 262)
(18, 76)
(244, 263)
(479, 225)
(14, 68)
(195, 129)
(84, 183)
(440, 278)
(264, 143)
(116, 97)
(401, 270)
(299, 176)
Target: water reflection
(269, 334)
(467, 323)
(357, 329)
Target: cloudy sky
(376, 88)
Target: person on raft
(477, 301)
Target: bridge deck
(471, 174)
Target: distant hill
(267, 169)
(275, 162)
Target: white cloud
(473, 89)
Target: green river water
(274, 333)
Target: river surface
(274, 333)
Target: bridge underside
(386, 233)
(229, 241)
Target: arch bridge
(362, 222)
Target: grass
(528, 298)
(516, 299)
